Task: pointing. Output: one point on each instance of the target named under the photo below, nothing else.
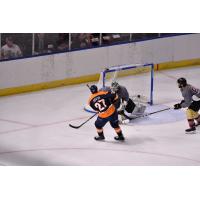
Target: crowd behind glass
(15, 45)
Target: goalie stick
(76, 127)
(145, 115)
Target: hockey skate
(99, 137)
(191, 130)
(119, 137)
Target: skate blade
(191, 132)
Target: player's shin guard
(139, 110)
(100, 135)
(119, 134)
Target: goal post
(137, 78)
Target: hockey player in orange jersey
(102, 102)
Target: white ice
(34, 129)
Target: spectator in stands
(10, 50)
(95, 39)
(85, 40)
(106, 38)
(81, 40)
(63, 42)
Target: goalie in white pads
(127, 109)
(191, 101)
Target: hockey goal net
(137, 78)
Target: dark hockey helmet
(93, 89)
(181, 82)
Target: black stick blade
(72, 126)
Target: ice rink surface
(34, 129)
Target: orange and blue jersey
(102, 102)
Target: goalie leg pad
(139, 109)
(123, 119)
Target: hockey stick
(72, 126)
(145, 115)
(88, 86)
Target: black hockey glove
(177, 106)
(182, 101)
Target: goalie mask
(114, 86)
